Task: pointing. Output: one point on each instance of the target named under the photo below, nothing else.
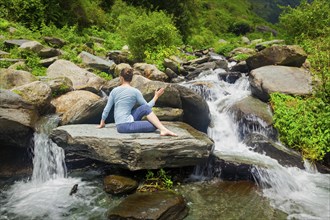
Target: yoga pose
(124, 98)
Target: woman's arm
(106, 111)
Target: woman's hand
(159, 92)
(102, 124)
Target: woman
(124, 98)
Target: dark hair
(127, 74)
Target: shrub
(150, 31)
(303, 124)
(307, 20)
(240, 28)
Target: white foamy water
(302, 194)
(47, 194)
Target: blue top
(124, 99)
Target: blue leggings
(137, 126)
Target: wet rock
(229, 77)
(157, 205)
(136, 151)
(240, 67)
(283, 155)
(251, 106)
(288, 80)
(119, 184)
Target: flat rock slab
(138, 150)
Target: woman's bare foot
(166, 132)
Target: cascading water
(302, 194)
(47, 194)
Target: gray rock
(138, 150)
(288, 80)
(172, 65)
(49, 61)
(97, 62)
(79, 107)
(283, 155)
(49, 52)
(288, 55)
(81, 78)
(168, 114)
(36, 93)
(119, 67)
(17, 119)
(151, 72)
(10, 78)
(12, 43)
(240, 67)
(161, 205)
(263, 45)
(170, 73)
(59, 85)
(3, 53)
(250, 106)
(55, 42)
(33, 46)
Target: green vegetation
(304, 122)
(160, 181)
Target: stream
(279, 193)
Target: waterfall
(48, 160)
(302, 194)
(47, 194)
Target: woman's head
(127, 74)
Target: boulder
(115, 184)
(288, 80)
(17, 119)
(240, 67)
(136, 151)
(242, 50)
(229, 77)
(97, 62)
(119, 56)
(79, 107)
(59, 85)
(177, 96)
(151, 72)
(251, 106)
(4, 53)
(81, 79)
(168, 114)
(55, 42)
(33, 46)
(283, 155)
(36, 93)
(10, 78)
(263, 45)
(49, 52)
(48, 61)
(288, 55)
(161, 205)
(15, 42)
(120, 67)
